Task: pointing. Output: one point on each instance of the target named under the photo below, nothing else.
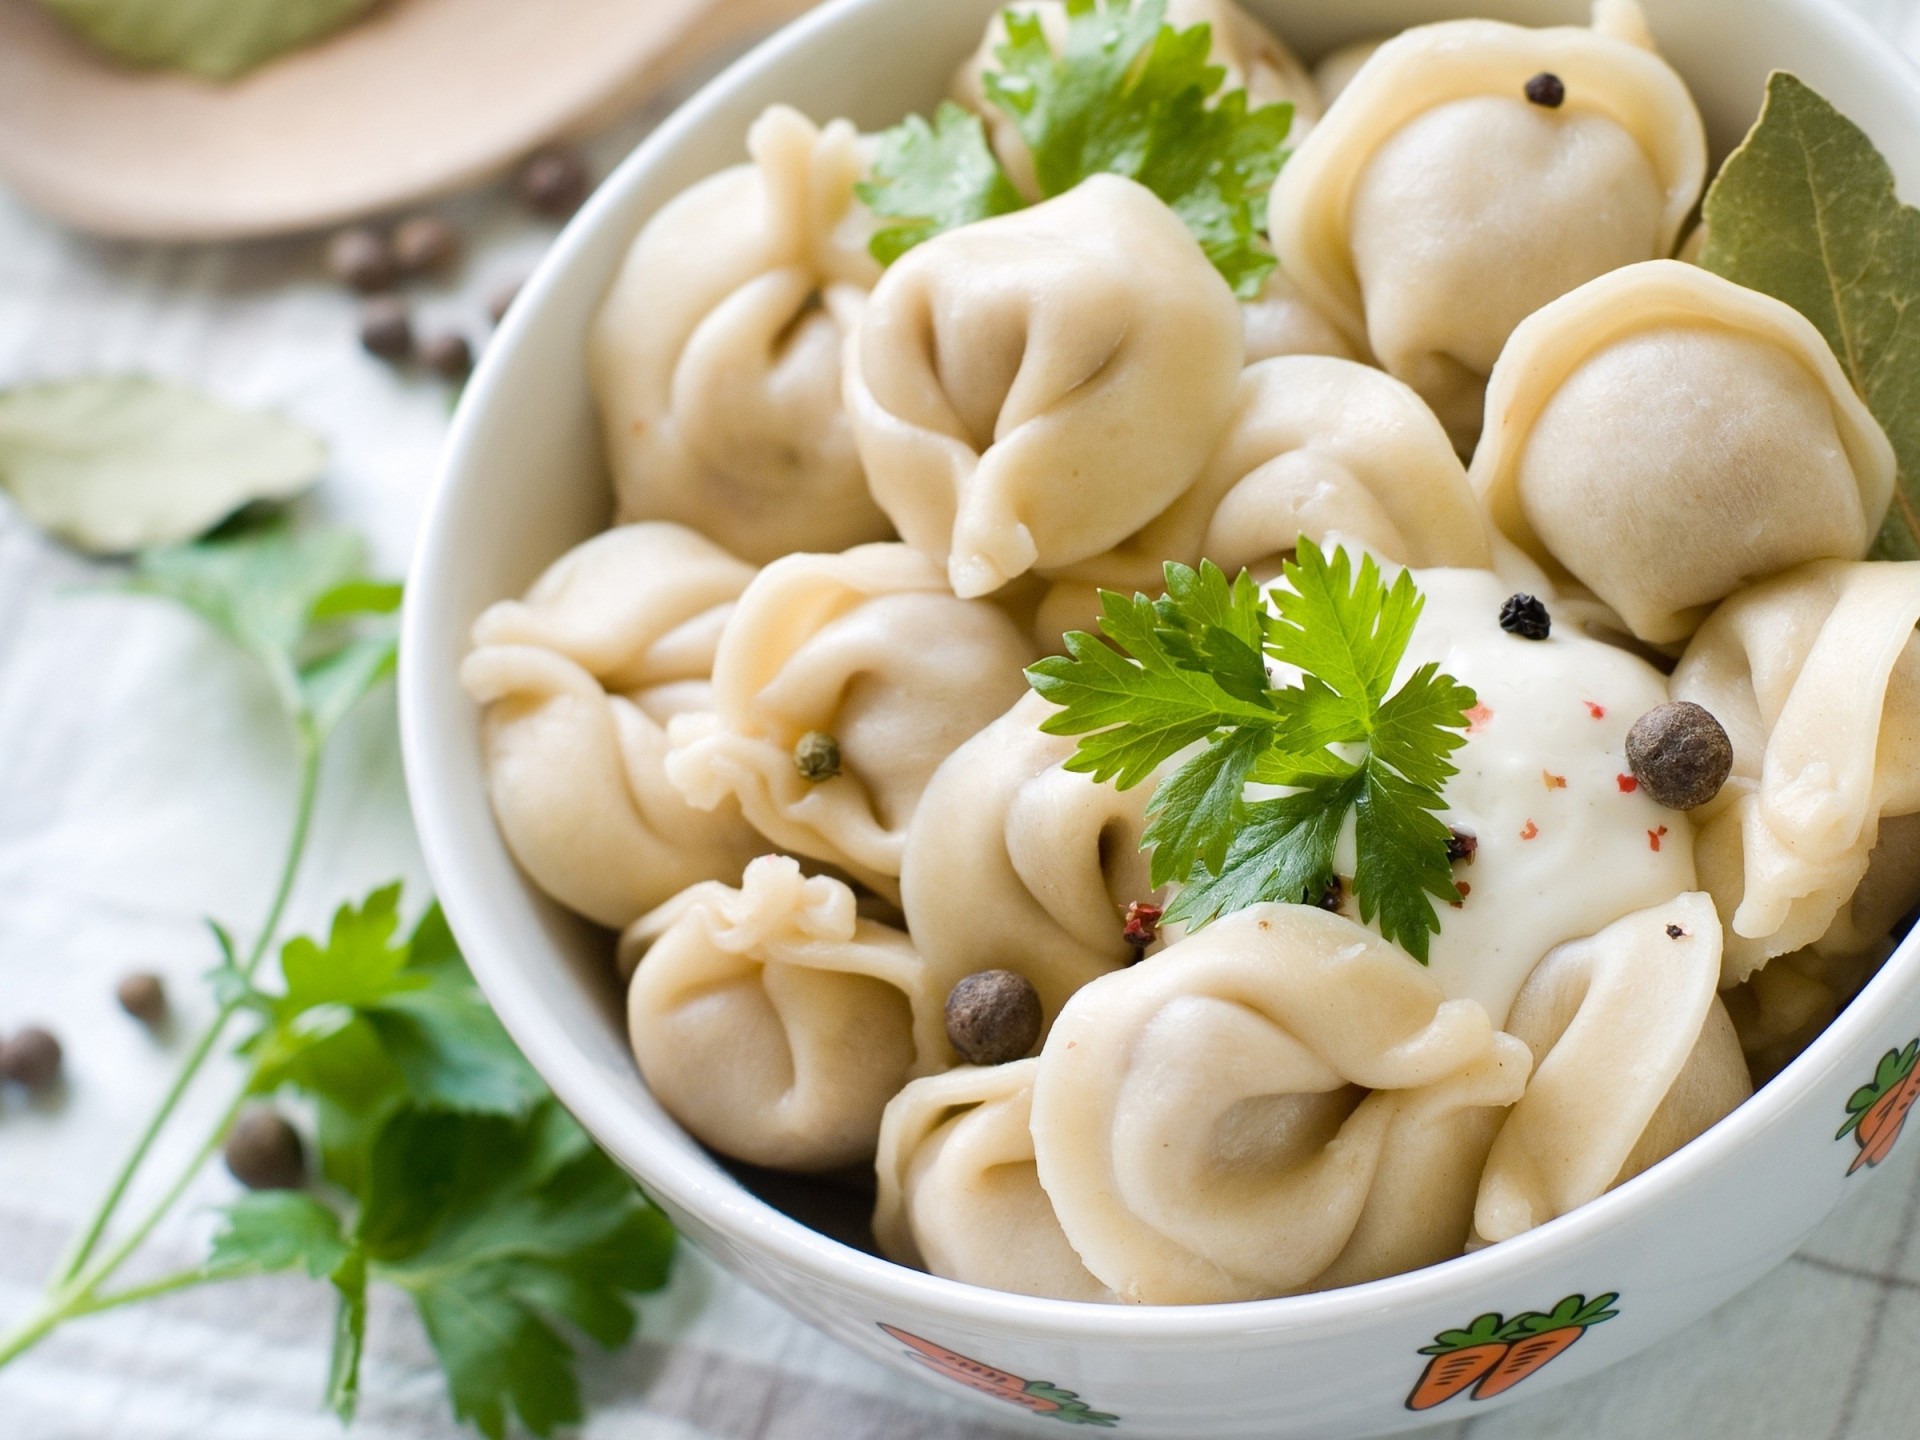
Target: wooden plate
(420, 98)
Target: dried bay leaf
(1805, 211)
(215, 39)
(113, 464)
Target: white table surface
(144, 783)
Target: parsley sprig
(1127, 94)
(1191, 667)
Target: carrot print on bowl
(1877, 1111)
(1494, 1354)
(1040, 1396)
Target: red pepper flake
(1143, 924)
(1530, 831)
(1465, 890)
(1554, 782)
(1598, 712)
(1626, 783)
(1478, 717)
(1653, 838)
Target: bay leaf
(113, 464)
(1806, 211)
(215, 39)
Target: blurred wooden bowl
(420, 98)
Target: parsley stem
(77, 1257)
(58, 1311)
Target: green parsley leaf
(297, 603)
(1127, 94)
(497, 1228)
(1187, 670)
(274, 1230)
(930, 178)
(1805, 211)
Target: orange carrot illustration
(1877, 1111)
(1042, 1397)
(1494, 1354)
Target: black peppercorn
(817, 756)
(993, 1017)
(1674, 932)
(448, 356)
(1461, 844)
(386, 329)
(1680, 754)
(1332, 895)
(554, 183)
(264, 1152)
(362, 259)
(1546, 89)
(1525, 616)
(424, 244)
(142, 996)
(30, 1057)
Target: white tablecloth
(144, 783)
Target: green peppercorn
(817, 757)
(993, 1017)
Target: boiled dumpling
(1014, 862)
(1815, 676)
(1633, 1056)
(1435, 206)
(775, 1023)
(1334, 71)
(1663, 435)
(1279, 321)
(1252, 55)
(716, 357)
(1319, 447)
(579, 681)
(958, 1192)
(871, 649)
(1030, 390)
(1201, 1127)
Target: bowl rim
(755, 1225)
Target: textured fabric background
(144, 783)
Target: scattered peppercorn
(1143, 924)
(424, 244)
(1674, 932)
(993, 1016)
(1461, 844)
(142, 996)
(817, 756)
(386, 328)
(1547, 89)
(554, 182)
(30, 1057)
(264, 1152)
(1332, 895)
(448, 356)
(1680, 754)
(1525, 616)
(502, 300)
(362, 259)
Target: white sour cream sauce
(1566, 843)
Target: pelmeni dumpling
(1029, 390)
(1252, 55)
(870, 648)
(958, 1192)
(1434, 206)
(1014, 862)
(1662, 436)
(716, 357)
(1202, 1125)
(1319, 447)
(579, 681)
(1815, 676)
(774, 1023)
(1633, 1056)
(1279, 321)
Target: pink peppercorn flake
(1553, 781)
(1477, 718)
(1626, 783)
(1529, 831)
(1653, 837)
(1598, 712)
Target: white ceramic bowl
(524, 480)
